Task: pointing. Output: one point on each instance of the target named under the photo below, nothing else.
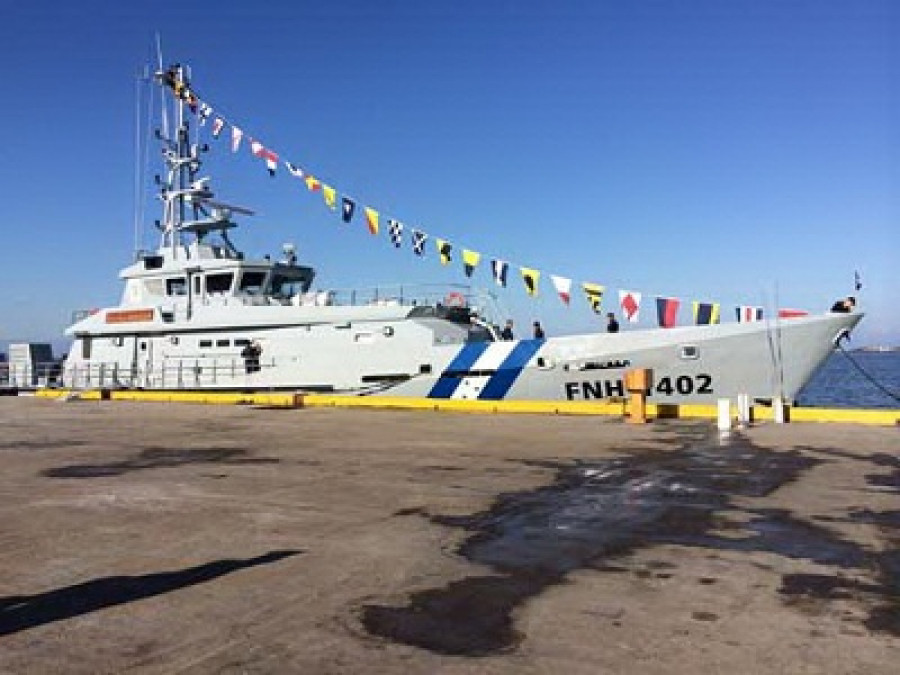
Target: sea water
(840, 384)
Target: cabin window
(118, 341)
(241, 342)
(252, 282)
(176, 286)
(223, 343)
(205, 343)
(85, 347)
(287, 287)
(196, 285)
(219, 283)
(153, 286)
(153, 262)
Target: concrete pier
(164, 538)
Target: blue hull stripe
(466, 358)
(509, 370)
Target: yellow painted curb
(464, 405)
(87, 395)
(272, 399)
(885, 417)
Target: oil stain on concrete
(158, 458)
(596, 512)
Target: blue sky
(729, 151)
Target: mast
(180, 159)
(188, 207)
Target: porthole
(689, 352)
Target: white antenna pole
(137, 163)
(159, 63)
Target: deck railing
(30, 375)
(173, 373)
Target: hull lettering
(666, 386)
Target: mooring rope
(867, 375)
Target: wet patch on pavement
(596, 513)
(889, 481)
(158, 458)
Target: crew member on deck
(251, 354)
(507, 332)
(845, 306)
(612, 326)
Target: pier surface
(165, 538)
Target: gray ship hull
(389, 354)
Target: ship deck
(168, 538)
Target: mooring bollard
(724, 416)
(744, 411)
(638, 382)
(779, 414)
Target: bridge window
(252, 282)
(287, 286)
(153, 286)
(176, 286)
(219, 283)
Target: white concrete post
(724, 414)
(743, 409)
(778, 405)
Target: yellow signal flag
(445, 249)
(330, 196)
(372, 219)
(706, 313)
(531, 278)
(594, 293)
(470, 261)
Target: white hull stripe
(495, 365)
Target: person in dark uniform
(251, 354)
(612, 326)
(538, 331)
(507, 332)
(845, 306)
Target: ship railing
(483, 302)
(406, 295)
(79, 314)
(173, 373)
(30, 375)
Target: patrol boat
(196, 314)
